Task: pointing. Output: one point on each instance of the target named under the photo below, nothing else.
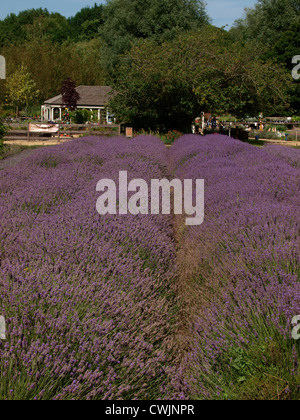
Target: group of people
(214, 124)
(211, 124)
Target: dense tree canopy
(267, 20)
(36, 23)
(54, 28)
(275, 26)
(167, 86)
(83, 47)
(50, 63)
(164, 57)
(86, 23)
(51, 48)
(12, 28)
(126, 22)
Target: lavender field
(144, 307)
(241, 269)
(89, 301)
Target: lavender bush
(241, 269)
(89, 300)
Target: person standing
(214, 123)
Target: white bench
(43, 129)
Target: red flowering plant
(171, 136)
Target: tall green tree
(86, 23)
(127, 21)
(13, 29)
(274, 25)
(53, 27)
(167, 86)
(267, 20)
(21, 89)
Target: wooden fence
(66, 131)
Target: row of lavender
(89, 301)
(242, 268)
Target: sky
(223, 12)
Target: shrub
(2, 133)
(81, 116)
(171, 136)
(281, 128)
(268, 135)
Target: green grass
(263, 369)
(253, 142)
(9, 150)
